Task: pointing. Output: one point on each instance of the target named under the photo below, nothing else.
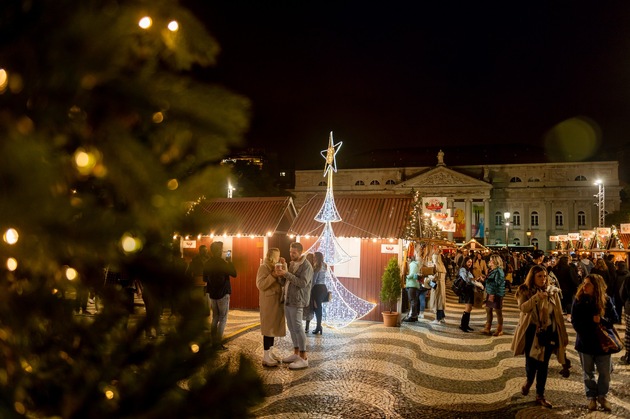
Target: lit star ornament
(330, 155)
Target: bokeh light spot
(172, 184)
(130, 244)
(12, 264)
(575, 139)
(194, 348)
(173, 26)
(71, 273)
(145, 22)
(11, 236)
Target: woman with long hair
(319, 292)
(592, 307)
(270, 287)
(568, 279)
(495, 291)
(540, 330)
(437, 301)
(468, 296)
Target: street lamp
(506, 215)
(601, 195)
(529, 237)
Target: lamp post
(601, 196)
(506, 215)
(529, 237)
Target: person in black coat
(624, 274)
(592, 307)
(568, 279)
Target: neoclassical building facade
(544, 199)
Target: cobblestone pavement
(418, 370)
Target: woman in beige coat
(437, 301)
(270, 290)
(541, 311)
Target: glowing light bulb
(11, 236)
(173, 26)
(145, 22)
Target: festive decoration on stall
(344, 307)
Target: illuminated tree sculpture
(345, 307)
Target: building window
(498, 219)
(535, 243)
(580, 178)
(515, 179)
(559, 219)
(322, 183)
(390, 182)
(534, 219)
(581, 219)
(283, 174)
(533, 179)
(516, 219)
(497, 241)
(375, 182)
(359, 183)
(517, 241)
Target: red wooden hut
(247, 227)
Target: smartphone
(229, 254)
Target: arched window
(580, 178)
(390, 182)
(533, 179)
(497, 241)
(516, 219)
(559, 219)
(375, 182)
(359, 183)
(517, 241)
(322, 183)
(581, 219)
(498, 219)
(535, 243)
(534, 219)
(515, 179)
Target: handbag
(608, 339)
(427, 270)
(459, 286)
(547, 337)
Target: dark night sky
(442, 74)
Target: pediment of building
(442, 176)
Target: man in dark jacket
(217, 273)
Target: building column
(450, 205)
(468, 218)
(486, 221)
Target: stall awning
(363, 216)
(245, 216)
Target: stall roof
(363, 216)
(473, 245)
(247, 216)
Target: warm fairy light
(71, 273)
(145, 22)
(173, 26)
(308, 236)
(130, 244)
(158, 117)
(109, 394)
(373, 240)
(211, 235)
(11, 236)
(172, 184)
(86, 161)
(4, 79)
(238, 235)
(269, 234)
(12, 264)
(291, 236)
(199, 236)
(194, 348)
(175, 236)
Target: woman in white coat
(270, 291)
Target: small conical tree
(391, 284)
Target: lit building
(543, 199)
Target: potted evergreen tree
(390, 292)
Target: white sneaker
(299, 364)
(421, 316)
(268, 361)
(436, 321)
(275, 355)
(291, 358)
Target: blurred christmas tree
(104, 137)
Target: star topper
(330, 155)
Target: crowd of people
(552, 293)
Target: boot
(464, 323)
(307, 326)
(486, 330)
(268, 360)
(499, 331)
(317, 330)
